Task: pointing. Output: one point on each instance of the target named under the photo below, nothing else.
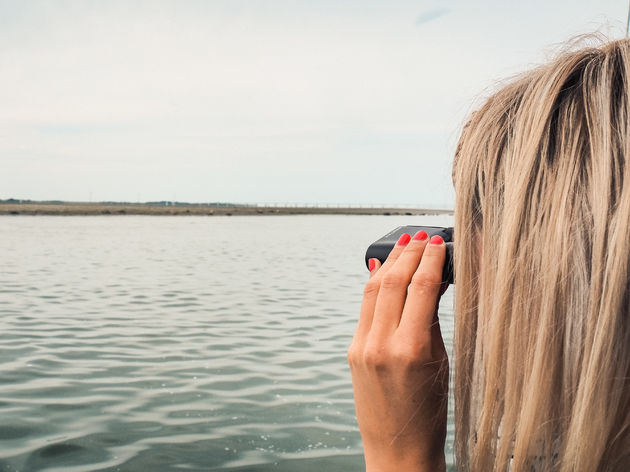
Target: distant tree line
(110, 203)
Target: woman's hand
(398, 360)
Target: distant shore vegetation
(12, 206)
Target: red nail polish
(371, 264)
(436, 239)
(420, 235)
(403, 240)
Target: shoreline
(180, 209)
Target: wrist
(406, 463)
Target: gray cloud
(431, 15)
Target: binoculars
(381, 248)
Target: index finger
(395, 253)
(372, 288)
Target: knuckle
(352, 355)
(394, 279)
(376, 357)
(406, 357)
(426, 281)
(372, 287)
(414, 355)
(415, 248)
(435, 250)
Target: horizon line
(226, 203)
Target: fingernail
(436, 239)
(420, 235)
(371, 264)
(403, 240)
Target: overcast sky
(259, 101)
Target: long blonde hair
(542, 253)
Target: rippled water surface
(183, 343)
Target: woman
(542, 252)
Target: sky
(304, 101)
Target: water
(183, 343)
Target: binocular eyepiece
(381, 248)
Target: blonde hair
(542, 252)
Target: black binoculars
(381, 248)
